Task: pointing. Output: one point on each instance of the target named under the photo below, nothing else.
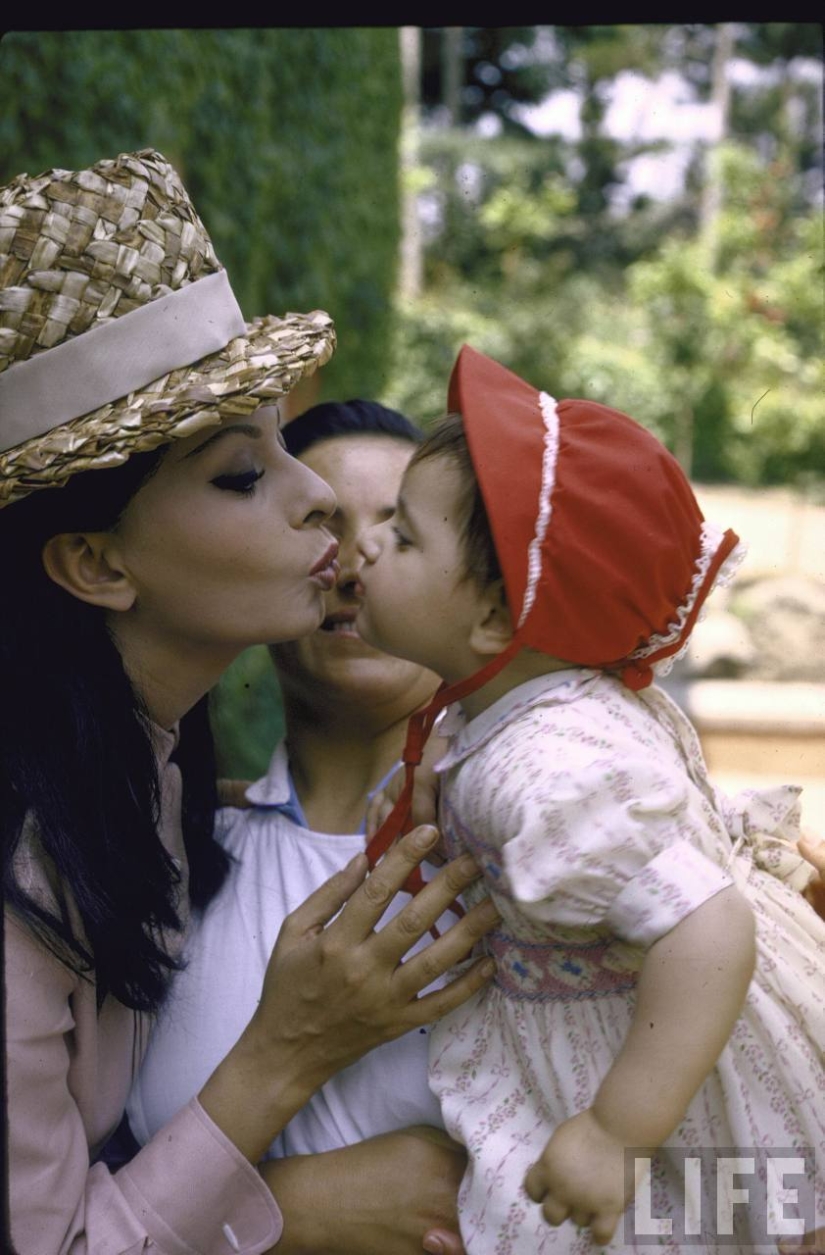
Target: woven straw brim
(250, 371)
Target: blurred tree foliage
(505, 67)
(286, 138)
(536, 254)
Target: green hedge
(287, 140)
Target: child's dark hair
(446, 439)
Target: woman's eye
(243, 482)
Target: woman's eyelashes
(401, 541)
(242, 482)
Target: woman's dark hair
(77, 760)
(446, 439)
(346, 418)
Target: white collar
(275, 788)
(554, 688)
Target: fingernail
(425, 838)
(468, 865)
(434, 1245)
(488, 967)
(490, 912)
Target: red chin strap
(399, 820)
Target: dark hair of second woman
(77, 760)
(357, 417)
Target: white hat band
(110, 361)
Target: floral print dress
(590, 810)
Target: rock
(721, 648)
(785, 617)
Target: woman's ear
(493, 628)
(86, 565)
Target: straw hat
(118, 328)
(606, 557)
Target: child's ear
(493, 628)
(87, 566)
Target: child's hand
(424, 807)
(581, 1177)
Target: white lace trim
(711, 538)
(550, 416)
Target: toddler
(659, 984)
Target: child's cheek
(385, 612)
(371, 632)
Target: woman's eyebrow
(243, 429)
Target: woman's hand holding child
(336, 989)
(813, 849)
(409, 1206)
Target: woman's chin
(298, 628)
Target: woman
(153, 527)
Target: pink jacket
(189, 1191)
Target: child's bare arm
(689, 996)
(690, 992)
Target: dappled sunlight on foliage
(701, 313)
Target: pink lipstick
(326, 569)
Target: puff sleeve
(599, 838)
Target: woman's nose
(350, 560)
(319, 499)
(369, 542)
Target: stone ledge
(755, 706)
